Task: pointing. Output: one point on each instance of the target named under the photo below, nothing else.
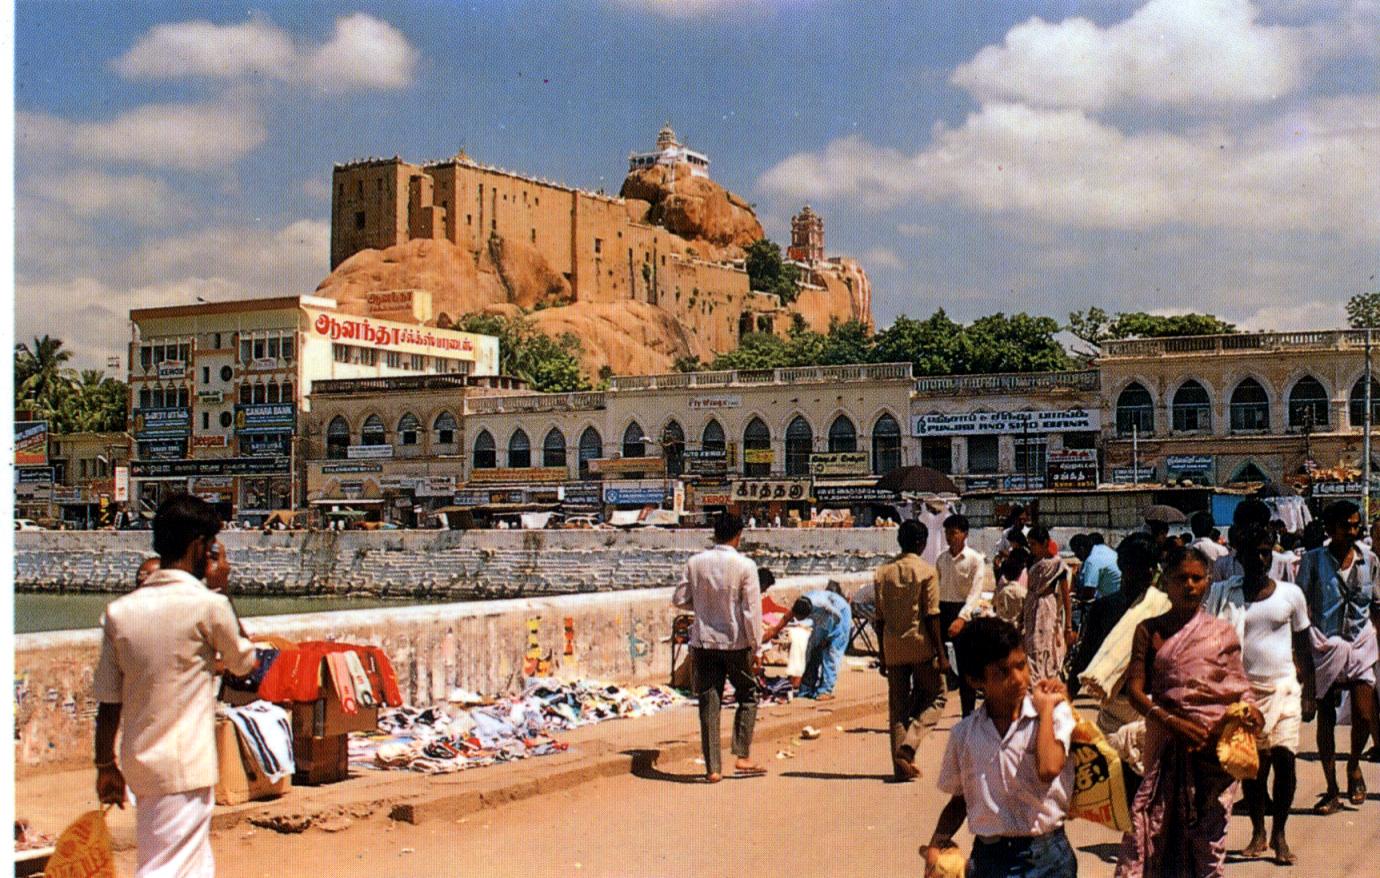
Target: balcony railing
(802, 375)
(543, 402)
(1256, 342)
(1010, 382)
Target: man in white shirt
(1271, 620)
(963, 577)
(155, 676)
(1201, 523)
(720, 586)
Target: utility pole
(1135, 454)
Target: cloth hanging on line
(296, 675)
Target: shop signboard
(1123, 475)
(582, 495)
(1023, 482)
(1198, 467)
(771, 490)
(839, 463)
(1349, 488)
(718, 401)
(172, 370)
(712, 495)
(63, 494)
(434, 486)
(34, 475)
(1071, 468)
(981, 483)
(164, 423)
(262, 418)
(369, 452)
(333, 468)
(218, 466)
(121, 484)
(213, 440)
(759, 455)
(847, 495)
(706, 462)
(30, 443)
(163, 450)
(634, 495)
(270, 445)
(507, 497)
(263, 364)
(617, 466)
(985, 423)
(520, 474)
(470, 497)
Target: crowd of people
(1173, 637)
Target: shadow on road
(644, 766)
(833, 775)
(860, 730)
(1106, 851)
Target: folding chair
(864, 631)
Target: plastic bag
(1099, 789)
(1236, 747)
(83, 850)
(951, 864)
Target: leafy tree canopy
(1363, 310)
(768, 272)
(550, 365)
(71, 402)
(1094, 326)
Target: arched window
(246, 393)
(445, 429)
(519, 450)
(146, 398)
(591, 447)
(553, 448)
(673, 448)
(337, 439)
(373, 433)
(886, 445)
(485, 456)
(633, 446)
(409, 429)
(712, 439)
(1135, 411)
(1248, 472)
(1192, 410)
(843, 436)
(1250, 407)
(287, 392)
(800, 441)
(260, 393)
(756, 449)
(1358, 403)
(1308, 404)
(273, 391)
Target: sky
(1166, 156)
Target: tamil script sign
(544, 474)
(381, 334)
(30, 443)
(634, 496)
(34, 475)
(723, 401)
(764, 490)
(273, 417)
(758, 455)
(1071, 468)
(333, 468)
(1198, 467)
(368, 452)
(220, 466)
(839, 463)
(1124, 475)
(582, 495)
(847, 495)
(1350, 488)
(982, 423)
(166, 423)
(621, 465)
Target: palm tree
(39, 374)
(70, 401)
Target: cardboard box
(325, 716)
(241, 780)
(321, 760)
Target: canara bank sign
(976, 423)
(363, 331)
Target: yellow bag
(83, 850)
(1236, 747)
(1099, 789)
(951, 864)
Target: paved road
(829, 811)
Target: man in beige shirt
(964, 575)
(912, 657)
(155, 677)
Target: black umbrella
(1275, 489)
(917, 480)
(1166, 514)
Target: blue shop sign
(634, 496)
(262, 418)
(165, 423)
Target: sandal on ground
(749, 771)
(1356, 789)
(1255, 849)
(1328, 804)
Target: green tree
(1363, 310)
(1090, 326)
(933, 346)
(757, 350)
(768, 272)
(689, 363)
(549, 365)
(846, 343)
(41, 376)
(1019, 343)
(1137, 324)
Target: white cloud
(200, 48)
(191, 137)
(686, 9)
(882, 257)
(278, 262)
(916, 230)
(1170, 52)
(363, 52)
(1311, 169)
(1293, 316)
(316, 189)
(137, 199)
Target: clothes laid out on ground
(266, 731)
(451, 737)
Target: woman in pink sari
(1185, 672)
(1046, 618)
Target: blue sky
(1172, 155)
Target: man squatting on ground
(157, 665)
(911, 652)
(721, 587)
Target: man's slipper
(749, 771)
(1328, 804)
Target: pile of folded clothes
(468, 733)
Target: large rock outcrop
(696, 208)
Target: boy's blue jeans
(1044, 856)
(823, 656)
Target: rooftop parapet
(1236, 343)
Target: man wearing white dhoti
(155, 676)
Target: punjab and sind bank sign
(1074, 420)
